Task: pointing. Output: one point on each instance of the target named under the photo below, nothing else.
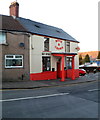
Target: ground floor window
(46, 61)
(13, 61)
(68, 62)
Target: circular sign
(59, 45)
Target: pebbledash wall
(11, 48)
(37, 53)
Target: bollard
(94, 71)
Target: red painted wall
(69, 73)
(43, 75)
(52, 75)
(60, 74)
(76, 73)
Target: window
(68, 46)
(46, 63)
(2, 37)
(68, 62)
(46, 44)
(13, 61)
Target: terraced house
(36, 51)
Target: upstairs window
(46, 44)
(2, 37)
(67, 46)
(13, 61)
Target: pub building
(53, 58)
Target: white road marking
(93, 90)
(36, 97)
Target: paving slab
(49, 83)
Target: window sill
(14, 67)
(4, 44)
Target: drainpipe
(65, 56)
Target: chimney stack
(14, 9)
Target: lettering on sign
(59, 44)
(46, 54)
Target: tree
(98, 57)
(80, 60)
(87, 58)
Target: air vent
(58, 31)
(37, 26)
(21, 44)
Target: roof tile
(9, 23)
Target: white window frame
(14, 58)
(45, 39)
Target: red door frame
(62, 64)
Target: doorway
(58, 69)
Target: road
(74, 101)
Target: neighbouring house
(36, 51)
(15, 50)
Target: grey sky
(79, 18)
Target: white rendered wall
(73, 49)
(53, 62)
(36, 48)
(53, 43)
(76, 62)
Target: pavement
(91, 77)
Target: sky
(79, 18)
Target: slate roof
(43, 29)
(10, 24)
(25, 25)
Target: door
(58, 69)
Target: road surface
(74, 101)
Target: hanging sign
(77, 48)
(59, 44)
